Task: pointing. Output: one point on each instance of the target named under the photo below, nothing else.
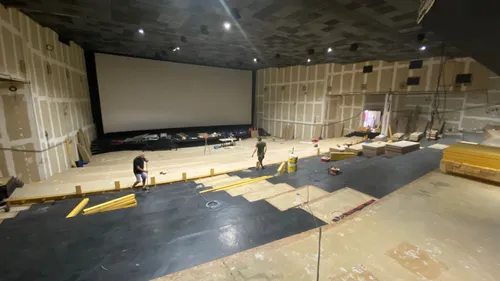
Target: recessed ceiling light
(227, 25)
(308, 60)
(255, 60)
(423, 48)
(176, 49)
(141, 31)
(329, 50)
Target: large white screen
(140, 94)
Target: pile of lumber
(397, 137)
(374, 149)
(416, 136)
(478, 161)
(357, 148)
(432, 134)
(400, 148)
(119, 203)
(336, 156)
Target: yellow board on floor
(78, 208)
(243, 182)
(281, 169)
(336, 156)
(297, 197)
(116, 206)
(110, 204)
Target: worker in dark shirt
(140, 172)
(261, 149)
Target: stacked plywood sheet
(416, 136)
(432, 134)
(400, 148)
(357, 148)
(374, 149)
(397, 137)
(479, 161)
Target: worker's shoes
(145, 189)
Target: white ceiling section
(140, 94)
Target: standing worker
(140, 172)
(261, 149)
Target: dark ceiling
(383, 29)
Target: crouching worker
(139, 171)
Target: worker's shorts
(140, 176)
(260, 157)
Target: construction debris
(432, 134)
(334, 171)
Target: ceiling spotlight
(227, 25)
(329, 50)
(141, 31)
(255, 60)
(308, 60)
(423, 48)
(176, 49)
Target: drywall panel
(422, 73)
(299, 129)
(309, 113)
(274, 75)
(25, 163)
(480, 76)
(45, 117)
(292, 112)
(335, 84)
(311, 72)
(302, 73)
(346, 82)
(278, 111)
(401, 78)
(8, 45)
(4, 171)
(212, 96)
(359, 79)
(284, 111)
(294, 92)
(279, 93)
(21, 62)
(300, 112)
(372, 80)
(55, 118)
(386, 80)
(348, 100)
(317, 113)
(337, 68)
(310, 91)
(288, 71)
(16, 116)
(321, 71)
(319, 91)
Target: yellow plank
(134, 204)
(78, 208)
(281, 169)
(109, 203)
(116, 205)
(236, 184)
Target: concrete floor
(107, 168)
(440, 227)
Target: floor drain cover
(213, 204)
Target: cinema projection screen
(141, 94)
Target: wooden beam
(78, 208)
(78, 189)
(110, 203)
(117, 184)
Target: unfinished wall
(332, 96)
(51, 102)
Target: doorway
(371, 119)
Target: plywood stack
(397, 137)
(416, 136)
(357, 148)
(478, 161)
(432, 134)
(374, 149)
(400, 148)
